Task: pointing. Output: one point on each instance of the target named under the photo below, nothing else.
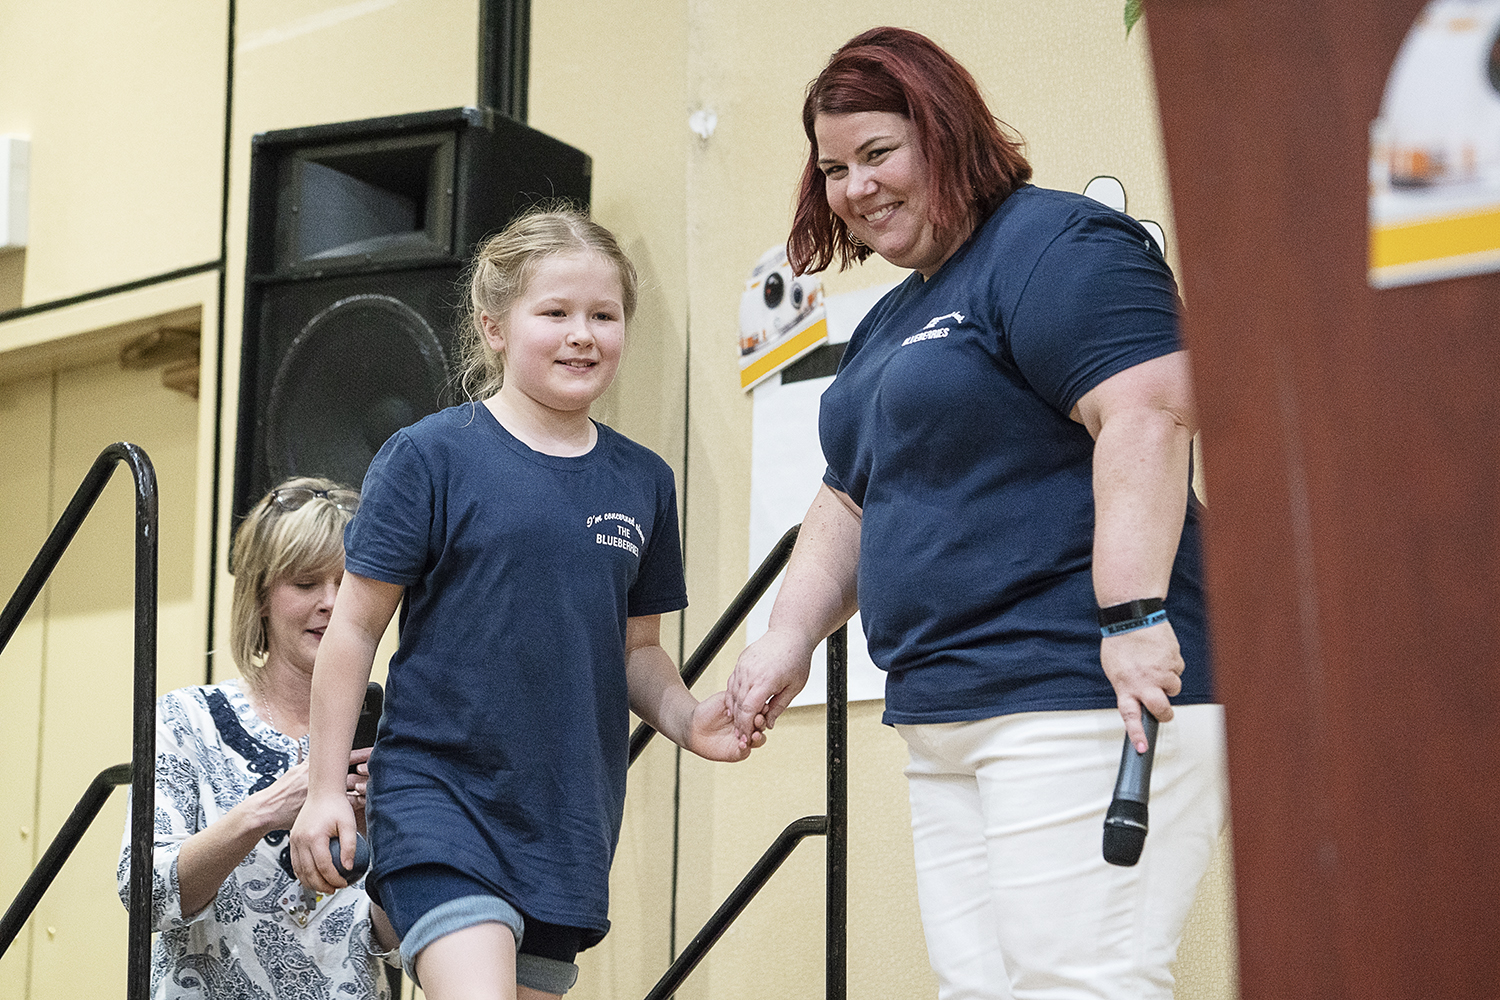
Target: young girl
(537, 551)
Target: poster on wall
(786, 469)
(781, 317)
(1435, 150)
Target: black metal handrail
(833, 826)
(781, 849)
(143, 739)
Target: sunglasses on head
(294, 497)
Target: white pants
(1008, 822)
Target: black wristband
(1117, 613)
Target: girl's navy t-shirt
(502, 749)
(948, 423)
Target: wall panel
(124, 106)
(26, 441)
(87, 675)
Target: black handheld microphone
(361, 858)
(1125, 822)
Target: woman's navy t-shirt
(948, 424)
(502, 749)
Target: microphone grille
(1124, 832)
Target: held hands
(768, 675)
(1145, 668)
(712, 735)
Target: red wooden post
(1352, 449)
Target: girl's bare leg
(476, 963)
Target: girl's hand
(319, 822)
(712, 734)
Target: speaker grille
(356, 373)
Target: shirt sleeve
(1100, 300)
(176, 817)
(661, 586)
(389, 537)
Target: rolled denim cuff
(455, 915)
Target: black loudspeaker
(359, 235)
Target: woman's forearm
(818, 594)
(208, 857)
(820, 590)
(1142, 422)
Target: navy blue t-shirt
(502, 750)
(948, 423)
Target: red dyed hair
(972, 164)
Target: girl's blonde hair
(271, 545)
(501, 269)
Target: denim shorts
(426, 902)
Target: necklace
(262, 706)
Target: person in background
(231, 775)
(1007, 505)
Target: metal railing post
(143, 740)
(835, 983)
(834, 825)
(143, 743)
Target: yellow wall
(124, 104)
(125, 109)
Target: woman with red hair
(1007, 505)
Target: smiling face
(563, 336)
(296, 612)
(876, 180)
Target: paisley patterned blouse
(261, 938)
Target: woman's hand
(770, 672)
(355, 785)
(208, 856)
(817, 595)
(1145, 667)
(276, 806)
(320, 821)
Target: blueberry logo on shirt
(928, 331)
(615, 530)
